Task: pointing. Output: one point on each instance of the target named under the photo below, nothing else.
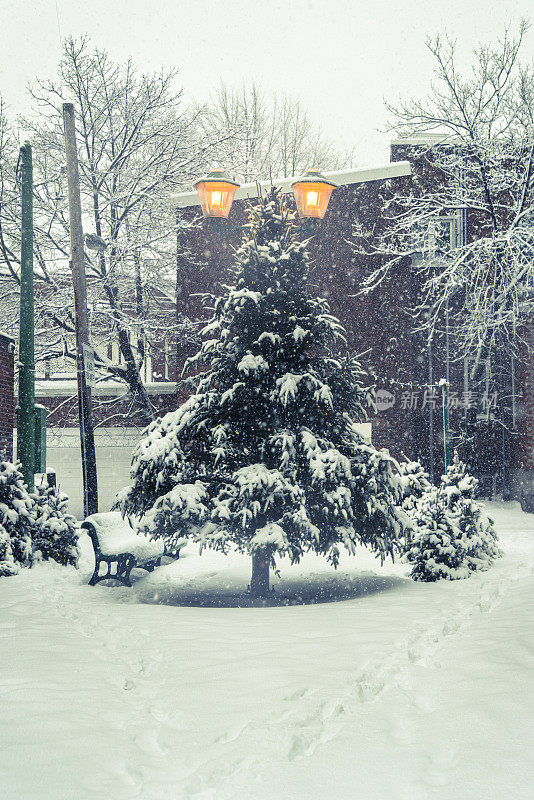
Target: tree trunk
(132, 377)
(139, 306)
(259, 582)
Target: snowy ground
(380, 689)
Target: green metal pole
(445, 386)
(26, 420)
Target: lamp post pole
(445, 389)
(26, 415)
(77, 263)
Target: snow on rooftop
(423, 139)
(68, 387)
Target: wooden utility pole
(26, 412)
(77, 263)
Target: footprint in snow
(298, 695)
(231, 736)
(317, 729)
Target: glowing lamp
(312, 194)
(216, 192)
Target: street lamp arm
(396, 169)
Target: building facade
(405, 370)
(491, 419)
(7, 395)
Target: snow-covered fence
(114, 448)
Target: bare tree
(479, 167)
(268, 137)
(136, 144)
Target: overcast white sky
(340, 57)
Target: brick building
(522, 450)
(409, 415)
(405, 368)
(7, 395)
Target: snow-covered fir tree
(479, 539)
(436, 550)
(264, 455)
(414, 482)
(458, 483)
(17, 520)
(454, 536)
(54, 533)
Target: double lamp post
(312, 193)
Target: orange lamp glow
(216, 192)
(312, 194)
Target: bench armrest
(93, 534)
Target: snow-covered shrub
(17, 520)
(269, 433)
(457, 482)
(478, 536)
(479, 539)
(414, 482)
(54, 534)
(454, 536)
(436, 550)
(377, 517)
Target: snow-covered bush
(478, 536)
(54, 533)
(454, 536)
(17, 520)
(479, 539)
(457, 482)
(269, 435)
(414, 483)
(436, 550)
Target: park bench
(115, 542)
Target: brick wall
(7, 395)
(523, 443)
(378, 326)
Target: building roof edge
(343, 177)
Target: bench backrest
(107, 521)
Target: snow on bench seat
(114, 541)
(116, 536)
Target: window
(439, 235)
